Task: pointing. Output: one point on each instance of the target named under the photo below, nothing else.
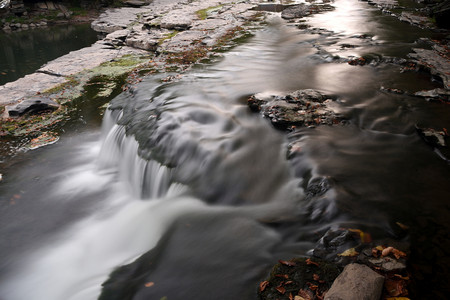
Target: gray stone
(295, 11)
(300, 108)
(432, 137)
(356, 282)
(388, 264)
(436, 94)
(177, 21)
(31, 106)
(60, 15)
(435, 60)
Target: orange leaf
(281, 290)
(312, 287)
(149, 284)
(310, 262)
(316, 277)
(287, 263)
(263, 285)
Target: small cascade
(146, 179)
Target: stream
(188, 194)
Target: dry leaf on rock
(349, 252)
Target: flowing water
(23, 52)
(191, 194)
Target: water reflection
(23, 52)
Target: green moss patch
(202, 14)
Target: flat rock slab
(27, 86)
(69, 64)
(356, 282)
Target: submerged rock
(356, 282)
(299, 108)
(31, 106)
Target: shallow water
(192, 193)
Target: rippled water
(191, 194)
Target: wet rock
(434, 95)
(333, 242)
(433, 137)
(356, 282)
(436, 61)
(388, 264)
(31, 106)
(416, 19)
(299, 108)
(295, 11)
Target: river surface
(191, 194)
(23, 52)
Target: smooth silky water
(193, 191)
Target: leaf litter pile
(311, 278)
(299, 278)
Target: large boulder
(356, 282)
(31, 106)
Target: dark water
(23, 52)
(190, 191)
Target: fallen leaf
(402, 226)
(364, 236)
(281, 290)
(291, 297)
(149, 284)
(287, 263)
(312, 287)
(397, 253)
(395, 288)
(316, 277)
(306, 295)
(310, 262)
(285, 276)
(263, 285)
(288, 282)
(386, 251)
(401, 277)
(349, 252)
